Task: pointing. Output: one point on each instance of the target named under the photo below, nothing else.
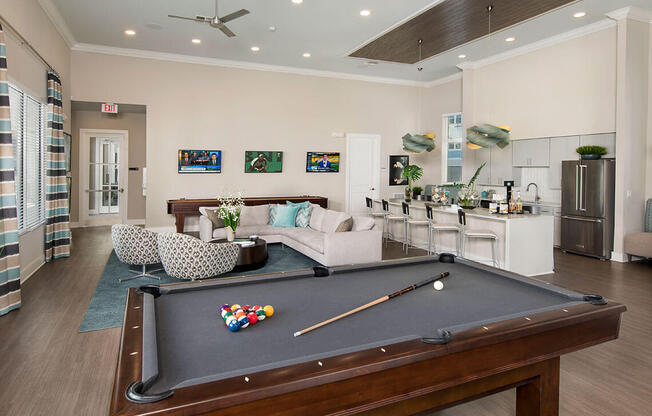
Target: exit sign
(110, 108)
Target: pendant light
(418, 143)
(486, 135)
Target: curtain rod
(23, 41)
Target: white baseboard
(136, 222)
(619, 257)
(31, 268)
(75, 225)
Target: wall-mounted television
(200, 161)
(322, 162)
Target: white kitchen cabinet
(531, 153)
(606, 140)
(501, 165)
(561, 148)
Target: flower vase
(230, 234)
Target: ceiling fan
(216, 21)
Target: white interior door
(362, 170)
(104, 166)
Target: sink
(532, 208)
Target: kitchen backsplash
(528, 175)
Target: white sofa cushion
(254, 215)
(332, 219)
(316, 217)
(311, 238)
(362, 223)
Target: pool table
(488, 330)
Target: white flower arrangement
(229, 209)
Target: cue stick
(373, 303)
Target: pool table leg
(540, 397)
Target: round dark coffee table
(250, 257)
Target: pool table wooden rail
(402, 378)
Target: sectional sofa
(319, 240)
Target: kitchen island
(525, 241)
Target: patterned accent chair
(136, 246)
(186, 257)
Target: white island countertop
(524, 241)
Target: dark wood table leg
(180, 219)
(540, 397)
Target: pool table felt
(194, 346)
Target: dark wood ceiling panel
(449, 24)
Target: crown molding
(163, 56)
(544, 43)
(57, 20)
(632, 13)
(444, 80)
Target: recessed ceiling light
(255, 48)
(371, 63)
(272, 28)
(130, 32)
(365, 12)
(579, 15)
(306, 55)
(297, 1)
(462, 56)
(510, 39)
(196, 41)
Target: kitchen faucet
(537, 198)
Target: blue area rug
(106, 309)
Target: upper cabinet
(606, 140)
(561, 148)
(531, 153)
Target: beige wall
(135, 124)
(201, 106)
(24, 69)
(565, 89)
(437, 100)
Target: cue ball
(438, 285)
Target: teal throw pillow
(272, 213)
(285, 216)
(303, 215)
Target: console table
(182, 207)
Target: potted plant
(416, 192)
(467, 197)
(591, 152)
(412, 173)
(229, 211)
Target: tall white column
(633, 69)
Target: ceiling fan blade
(226, 31)
(186, 18)
(234, 15)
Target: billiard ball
(246, 307)
(230, 319)
(226, 313)
(235, 306)
(252, 317)
(260, 314)
(438, 285)
(243, 321)
(234, 326)
(269, 310)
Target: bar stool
(437, 228)
(486, 235)
(376, 214)
(392, 217)
(411, 221)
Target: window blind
(28, 129)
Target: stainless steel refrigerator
(587, 207)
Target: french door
(103, 162)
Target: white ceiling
(328, 29)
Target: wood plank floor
(48, 368)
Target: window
(28, 131)
(452, 148)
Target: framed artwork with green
(263, 161)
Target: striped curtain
(57, 226)
(9, 257)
